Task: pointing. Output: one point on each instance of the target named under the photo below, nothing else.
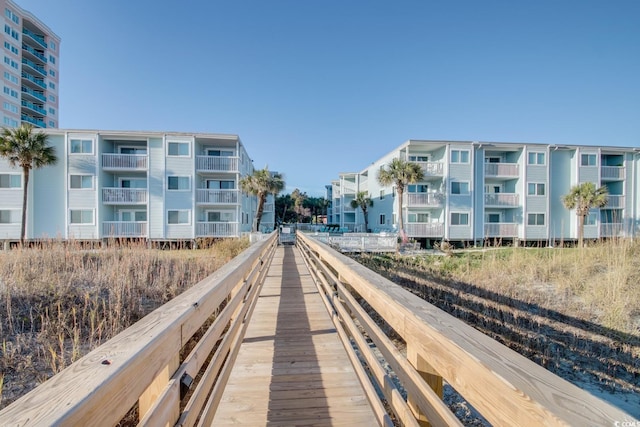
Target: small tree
(261, 183)
(401, 173)
(583, 197)
(299, 198)
(27, 150)
(364, 202)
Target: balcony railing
(124, 229)
(502, 200)
(424, 199)
(501, 169)
(268, 207)
(348, 187)
(500, 229)
(612, 172)
(33, 79)
(33, 120)
(217, 229)
(36, 37)
(615, 202)
(34, 52)
(432, 168)
(124, 161)
(35, 107)
(125, 196)
(612, 229)
(34, 93)
(34, 66)
(346, 208)
(217, 164)
(431, 229)
(216, 197)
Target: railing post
(428, 374)
(151, 394)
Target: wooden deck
(292, 368)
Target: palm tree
(261, 183)
(401, 173)
(28, 150)
(363, 201)
(583, 197)
(298, 201)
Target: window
(588, 160)
(132, 150)
(133, 216)
(591, 218)
(536, 158)
(535, 189)
(133, 183)
(11, 122)
(418, 217)
(52, 85)
(492, 218)
(11, 77)
(80, 181)
(52, 45)
(52, 111)
(178, 217)
(9, 14)
(81, 146)
(52, 124)
(459, 156)
(10, 181)
(459, 187)
(459, 218)
(417, 188)
(9, 216)
(381, 194)
(52, 59)
(418, 158)
(383, 219)
(178, 183)
(220, 185)
(81, 216)
(52, 98)
(535, 219)
(178, 149)
(10, 107)
(215, 216)
(10, 92)
(220, 153)
(52, 73)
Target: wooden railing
(505, 387)
(155, 362)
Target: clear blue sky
(314, 88)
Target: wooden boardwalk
(292, 368)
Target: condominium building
(474, 191)
(30, 73)
(159, 186)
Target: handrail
(142, 364)
(505, 387)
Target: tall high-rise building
(30, 69)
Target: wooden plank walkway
(292, 368)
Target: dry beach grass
(59, 300)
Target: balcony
(35, 94)
(38, 56)
(434, 199)
(34, 107)
(205, 196)
(268, 207)
(614, 202)
(124, 229)
(612, 173)
(217, 229)
(114, 161)
(501, 229)
(33, 66)
(431, 229)
(33, 120)
(612, 229)
(216, 164)
(431, 168)
(35, 37)
(346, 208)
(501, 170)
(348, 187)
(501, 200)
(124, 196)
(34, 80)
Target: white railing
(124, 229)
(124, 195)
(214, 197)
(501, 199)
(347, 208)
(615, 202)
(500, 229)
(501, 169)
(615, 229)
(359, 242)
(348, 187)
(268, 207)
(612, 172)
(418, 229)
(432, 168)
(424, 199)
(125, 161)
(217, 164)
(217, 229)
